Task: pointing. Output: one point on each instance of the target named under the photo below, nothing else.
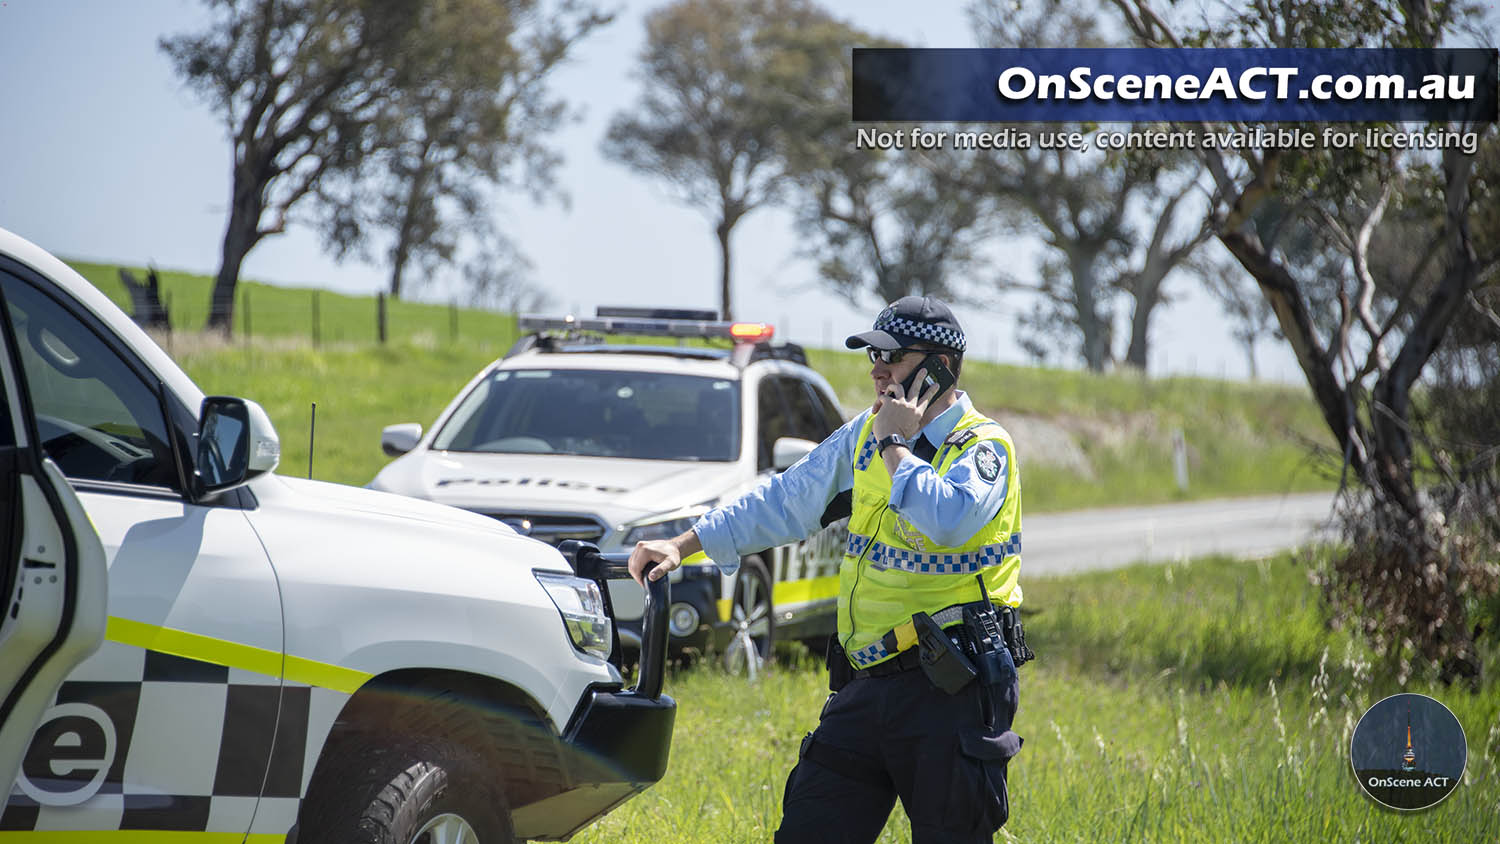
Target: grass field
(1083, 440)
(1198, 702)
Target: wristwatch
(893, 439)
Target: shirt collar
(938, 429)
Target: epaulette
(962, 438)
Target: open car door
(53, 574)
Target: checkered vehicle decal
(200, 734)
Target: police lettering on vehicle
(70, 755)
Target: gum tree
(1364, 334)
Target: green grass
(1198, 702)
(1083, 440)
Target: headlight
(582, 609)
(659, 530)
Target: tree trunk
(240, 235)
(1090, 322)
(1284, 296)
(400, 253)
(406, 232)
(1249, 343)
(1140, 326)
(723, 231)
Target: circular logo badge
(1408, 752)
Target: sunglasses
(891, 357)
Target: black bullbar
(617, 741)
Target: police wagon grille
(553, 529)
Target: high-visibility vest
(890, 570)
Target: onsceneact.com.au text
(1253, 83)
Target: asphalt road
(1081, 540)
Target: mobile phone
(937, 373)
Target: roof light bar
(739, 332)
(751, 332)
(657, 313)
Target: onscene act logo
(1408, 752)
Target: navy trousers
(880, 738)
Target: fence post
(380, 316)
(1179, 458)
(317, 327)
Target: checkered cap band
(938, 334)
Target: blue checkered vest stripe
(883, 556)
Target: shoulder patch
(987, 462)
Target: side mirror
(788, 450)
(397, 440)
(236, 442)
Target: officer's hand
(663, 552)
(897, 414)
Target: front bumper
(616, 743)
(616, 746)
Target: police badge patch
(988, 463)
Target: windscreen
(644, 415)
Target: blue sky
(106, 156)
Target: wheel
(415, 791)
(751, 627)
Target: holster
(942, 661)
(840, 672)
(1015, 636)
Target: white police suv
(573, 437)
(196, 649)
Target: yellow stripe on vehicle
(325, 676)
(140, 836)
(233, 654)
(803, 591)
(725, 607)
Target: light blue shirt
(789, 506)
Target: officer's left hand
(897, 414)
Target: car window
(96, 418)
(7, 422)
(643, 415)
(808, 419)
(775, 421)
(833, 418)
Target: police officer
(924, 694)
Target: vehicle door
(171, 724)
(52, 575)
(806, 574)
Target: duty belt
(901, 638)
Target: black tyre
(752, 627)
(410, 792)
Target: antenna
(312, 432)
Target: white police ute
(196, 649)
(572, 437)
